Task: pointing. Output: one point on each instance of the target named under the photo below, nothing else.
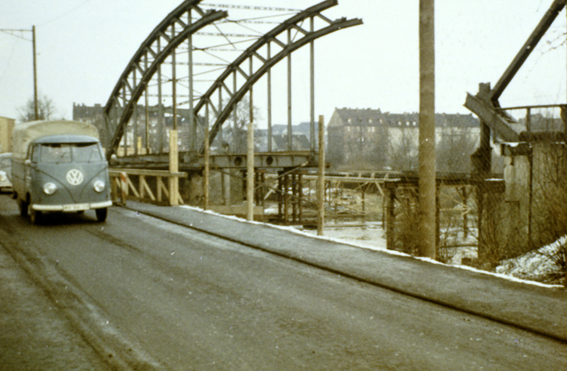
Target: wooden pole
(206, 170)
(286, 197)
(427, 230)
(300, 196)
(250, 173)
(250, 170)
(250, 157)
(174, 83)
(173, 168)
(321, 179)
(35, 100)
(391, 219)
(465, 212)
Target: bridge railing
(146, 186)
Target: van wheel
(23, 206)
(35, 216)
(101, 214)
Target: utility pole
(427, 186)
(35, 100)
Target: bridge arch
(160, 48)
(252, 53)
(147, 61)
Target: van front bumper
(72, 207)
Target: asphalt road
(146, 294)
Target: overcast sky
(84, 45)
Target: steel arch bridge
(151, 97)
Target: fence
(145, 186)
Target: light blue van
(59, 166)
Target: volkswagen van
(59, 166)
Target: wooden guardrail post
(123, 188)
(206, 173)
(321, 179)
(173, 168)
(250, 172)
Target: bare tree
(366, 146)
(235, 128)
(455, 149)
(404, 151)
(46, 110)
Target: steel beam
(238, 95)
(488, 113)
(275, 160)
(265, 40)
(526, 50)
(158, 59)
(485, 104)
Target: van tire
(23, 206)
(35, 216)
(101, 214)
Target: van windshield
(70, 152)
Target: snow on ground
(535, 265)
(370, 235)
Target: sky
(84, 45)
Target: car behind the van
(5, 172)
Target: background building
(370, 138)
(6, 126)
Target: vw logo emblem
(74, 177)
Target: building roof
(374, 117)
(350, 116)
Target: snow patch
(535, 265)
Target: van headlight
(49, 188)
(99, 186)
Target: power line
(246, 21)
(226, 34)
(11, 32)
(251, 7)
(64, 14)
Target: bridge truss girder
(147, 61)
(251, 54)
(159, 49)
